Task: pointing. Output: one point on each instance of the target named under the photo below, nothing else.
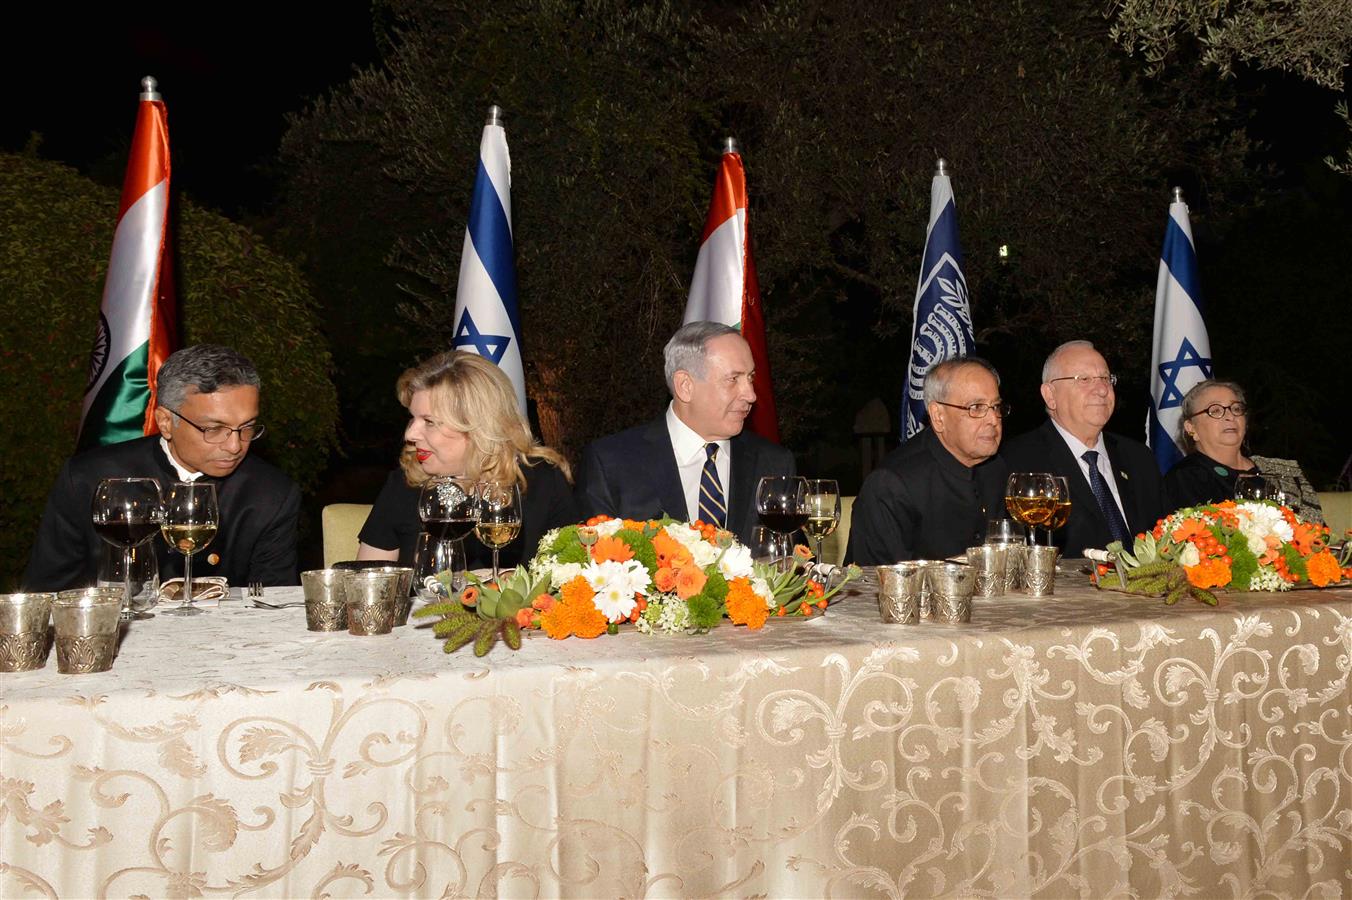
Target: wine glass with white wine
(823, 512)
(191, 517)
(499, 517)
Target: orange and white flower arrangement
(1251, 545)
(661, 576)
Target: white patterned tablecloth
(1089, 744)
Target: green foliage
(1243, 563)
(55, 239)
(716, 588)
(642, 547)
(567, 547)
(705, 612)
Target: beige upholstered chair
(833, 548)
(1337, 507)
(341, 522)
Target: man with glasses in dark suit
(1115, 487)
(930, 498)
(207, 415)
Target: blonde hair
(470, 394)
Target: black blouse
(1197, 479)
(547, 502)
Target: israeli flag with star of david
(1182, 351)
(942, 326)
(486, 317)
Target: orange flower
(802, 552)
(596, 520)
(611, 549)
(469, 596)
(814, 589)
(544, 602)
(1322, 569)
(588, 622)
(665, 579)
(1307, 538)
(1191, 530)
(744, 607)
(524, 616)
(557, 623)
(1209, 573)
(576, 592)
(690, 580)
(669, 550)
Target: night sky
(228, 84)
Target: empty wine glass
(499, 516)
(126, 512)
(191, 517)
(823, 512)
(1251, 486)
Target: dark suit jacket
(633, 474)
(259, 504)
(1134, 469)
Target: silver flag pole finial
(150, 88)
(940, 167)
(1178, 195)
(494, 115)
(730, 145)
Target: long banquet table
(1088, 744)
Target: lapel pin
(1122, 475)
(213, 559)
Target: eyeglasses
(219, 434)
(979, 410)
(1087, 380)
(1217, 411)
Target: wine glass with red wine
(781, 501)
(127, 512)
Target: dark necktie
(712, 507)
(1116, 524)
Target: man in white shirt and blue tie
(695, 461)
(1115, 485)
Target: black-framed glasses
(1086, 380)
(1217, 411)
(979, 410)
(219, 434)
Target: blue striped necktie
(1116, 524)
(712, 507)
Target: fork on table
(255, 591)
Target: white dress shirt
(183, 474)
(690, 456)
(1105, 465)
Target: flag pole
(494, 115)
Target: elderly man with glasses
(930, 498)
(208, 420)
(1115, 486)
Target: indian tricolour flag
(136, 317)
(724, 287)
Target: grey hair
(1052, 357)
(1190, 407)
(205, 367)
(688, 347)
(941, 375)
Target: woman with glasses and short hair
(1212, 430)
